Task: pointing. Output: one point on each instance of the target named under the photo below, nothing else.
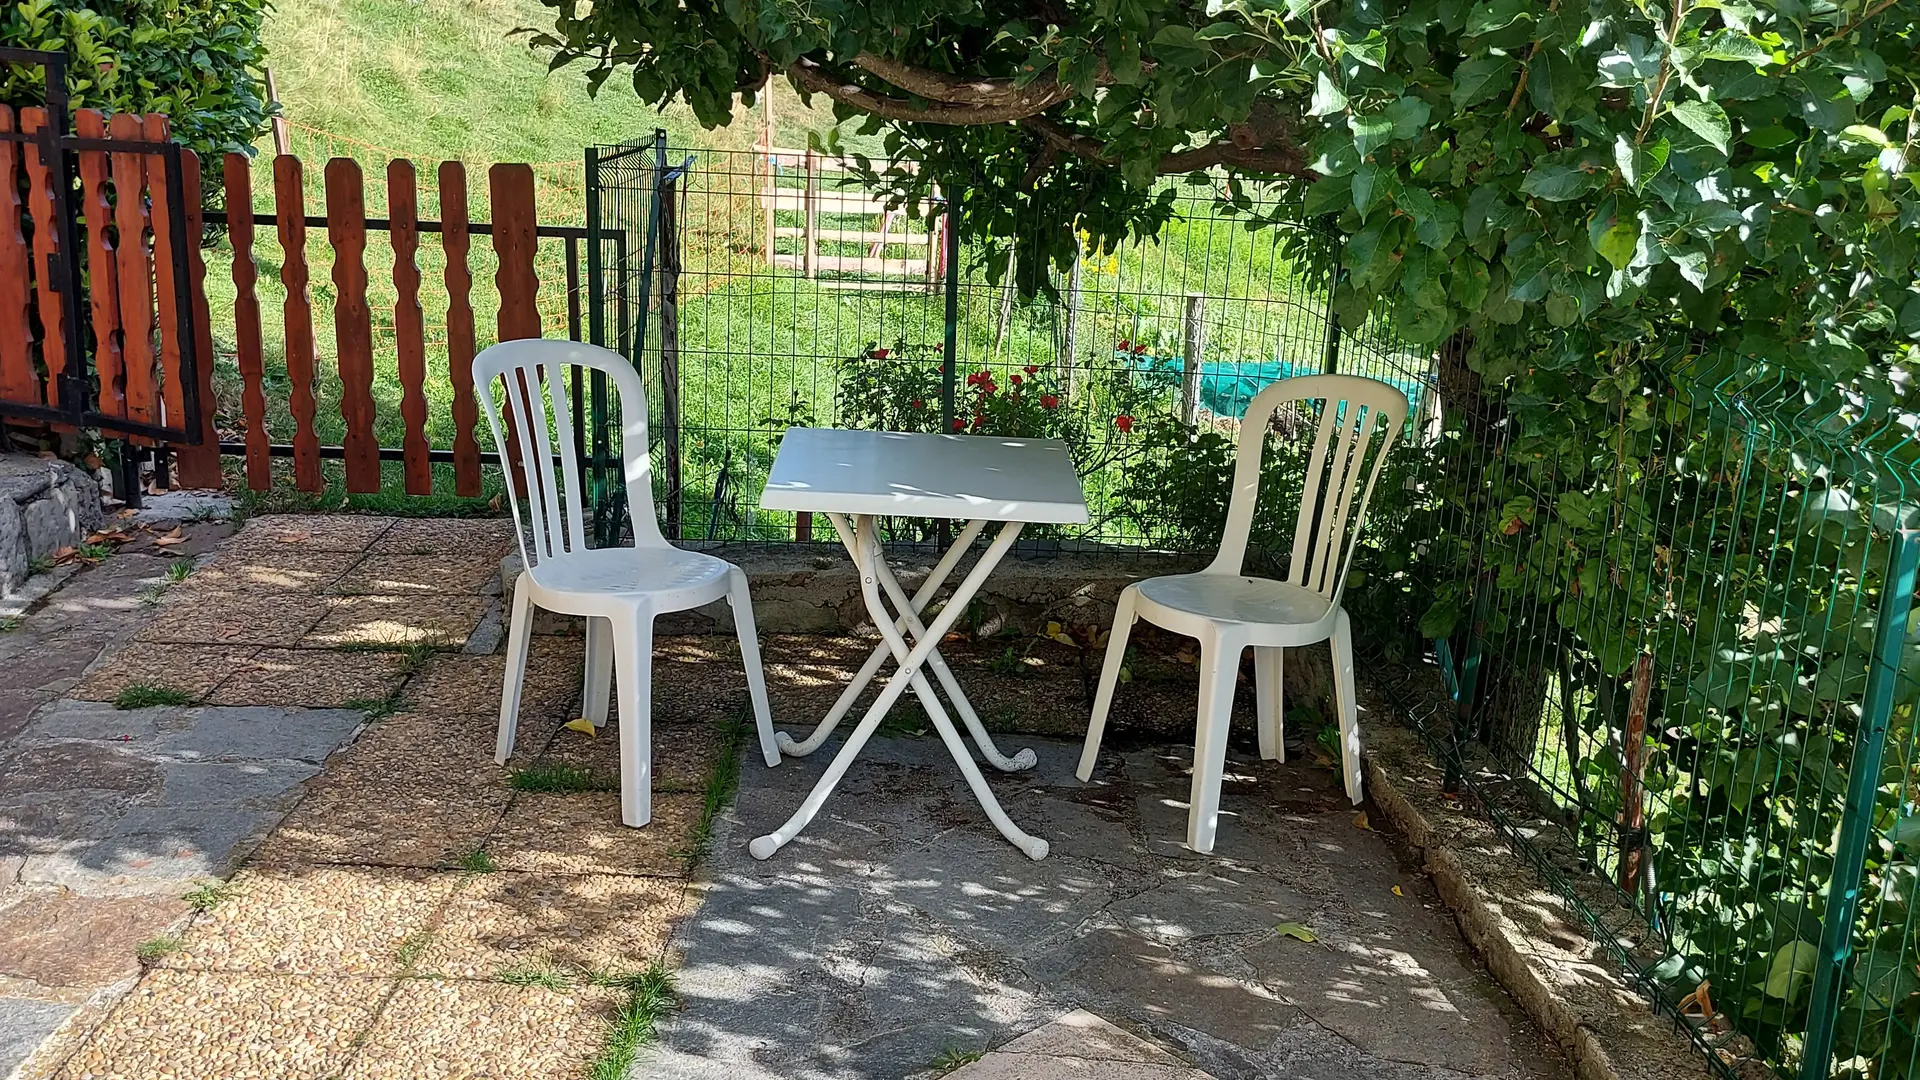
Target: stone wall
(45, 504)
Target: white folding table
(854, 477)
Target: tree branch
(1041, 94)
(816, 79)
(1283, 160)
(1840, 33)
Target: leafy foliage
(197, 61)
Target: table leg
(909, 674)
(921, 597)
(1025, 759)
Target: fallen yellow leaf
(1397, 892)
(581, 724)
(1296, 931)
(1360, 821)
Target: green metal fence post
(949, 371)
(1856, 824)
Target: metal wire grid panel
(802, 299)
(1689, 687)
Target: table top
(828, 470)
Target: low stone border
(1534, 944)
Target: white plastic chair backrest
(532, 376)
(1356, 413)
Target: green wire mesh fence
(1684, 675)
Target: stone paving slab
(25, 1023)
(900, 927)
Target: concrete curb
(1530, 939)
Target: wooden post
(770, 162)
(809, 213)
(1006, 299)
(1193, 347)
(281, 143)
(1633, 756)
(1071, 343)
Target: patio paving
(399, 907)
(900, 929)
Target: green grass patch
(476, 861)
(150, 695)
(556, 778)
(649, 997)
(381, 707)
(411, 948)
(154, 949)
(207, 895)
(179, 570)
(723, 779)
(952, 1058)
(544, 976)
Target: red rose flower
(878, 354)
(978, 421)
(939, 347)
(1125, 344)
(1033, 369)
(1049, 401)
(1124, 423)
(1138, 349)
(919, 404)
(1016, 380)
(959, 424)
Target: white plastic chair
(1229, 611)
(621, 589)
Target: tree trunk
(1514, 677)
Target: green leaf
(1296, 931)
(1640, 163)
(1369, 132)
(1496, 15)
(1409, 116)
(1327, 98)
(1707, 120)
(1557, 183)
(1792, 966)
(1180, 47)
(1480, 77)
(1614, 235)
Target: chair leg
(1219, 664)
(1123, 618)
(1268, 671)
(633, 664)
(742, 604)
(595, 694)
(1347, 703)
(519, 631)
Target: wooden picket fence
(131, 296)
(515, 234)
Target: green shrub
(198, 61)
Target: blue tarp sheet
(1228, 386)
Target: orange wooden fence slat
(403, 214)
(103, 264)
(18, 381)
(135, 266)
(455, 241)
(46, 249)
(246, 321)
(290, 209)
(173, 405)
(352, 321)
(515, 241)
(199, 465)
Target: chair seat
(1258, 603)
(667, 578)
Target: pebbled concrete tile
(456, 570)
(233, 618)
(316, 921)
(289, 678)
(192, 669)
(310, 532)
(583, 924)
(202, 1024)
(465, 1031)
(395, 621)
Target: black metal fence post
(949, 371)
